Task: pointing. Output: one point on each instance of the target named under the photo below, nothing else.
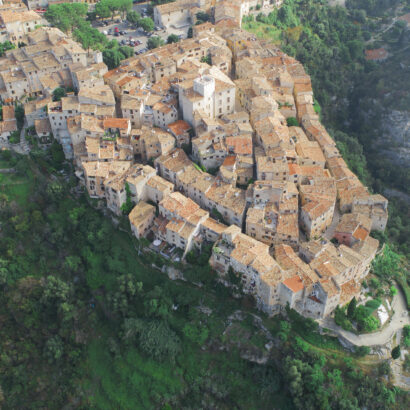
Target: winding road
(382, 337)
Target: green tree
(190, 33)
(54, 349)
(102, 10)
(292, 122)
(19, 114)
(202, 17)
(7, 45)
(206, 59)
(127, 206)
(66, 16)
(133, 17)
(59, 93)
(172, 38)
(154, 42)
(351, 308)
(396, 352)
(147, 24)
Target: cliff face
(395, 138)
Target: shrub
(395, 353)
(292, 122)
(361, 351)
(373, 304)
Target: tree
(190, 32)
(351, 308)
(154, 42)
(127, 206)
(172, 38)
(202, 17)
(102, 10)
(124, 6)
(206, 59)
(54, 349)
(19, 113)
(57, 154)
(59, 93)
(133, 17)
(396, 352)
(154, 336)
(292, 122)
(7, 45)
(147, 24)
(66, 16)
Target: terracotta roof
(116, 123)
(294, 283)
(179, 127)
(376, 54)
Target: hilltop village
(214, 139)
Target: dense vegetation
(86, 321)
(70, 18)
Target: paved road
(384, 336)
(21, 148)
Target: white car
(105, 32)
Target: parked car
(109, 31)
(105, 32)
(123, 33)
(137, 42)
(116, 34)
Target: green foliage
(351, 308)
(406, 330)
(393, 291)
(154, 337)
(147, 24)
(133, 17)
(196, 334)
(19, 113)
(373, 304)
(206, 59)
(406, 364)
(362, 351)
(202, 17)
(172, 38)
(70, 17)
(66, 16)
(342, 320)
(292, 122)
(386, 265)
(127, 206)
(154, 42)
(396, 352)
(59, 93)
(107, 8)
(190, 32)
(7, 45)
(14, 137)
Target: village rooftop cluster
(209, 154)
